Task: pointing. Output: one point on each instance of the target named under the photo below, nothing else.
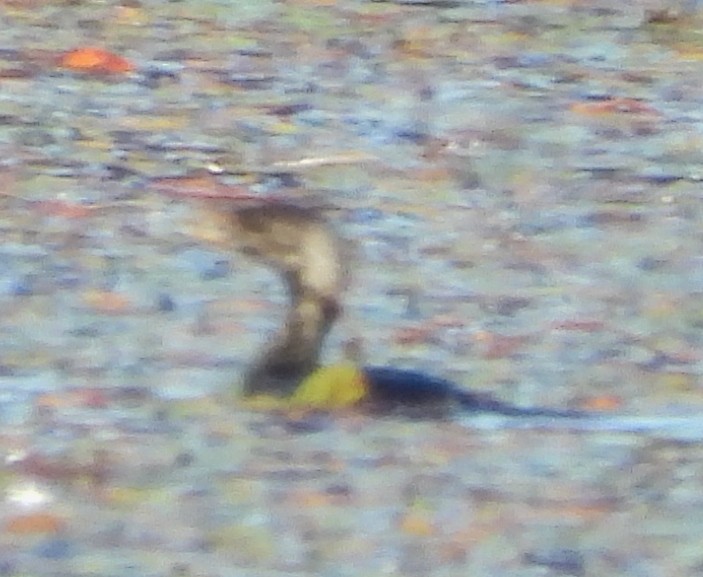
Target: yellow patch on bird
(331, 387)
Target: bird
(298, 242)
(313, 260)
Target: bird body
(311, 258)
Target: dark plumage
(392, 388)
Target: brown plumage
(299, 243)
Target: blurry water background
(522, 183)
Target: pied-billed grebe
(313, 261)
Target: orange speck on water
(688, 51)
(614, 106)
(106, 301)
(417, 524)
(602, 403)
(205, 186)
(64, 209)
(432, 175)
(91, 397)
(32, 523)
(413, 335)
(312, 499)
(502, 346)
(455, 547)
(129, 15)
(51, 401)
(96, 61)
(586, 512)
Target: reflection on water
(677, 427)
